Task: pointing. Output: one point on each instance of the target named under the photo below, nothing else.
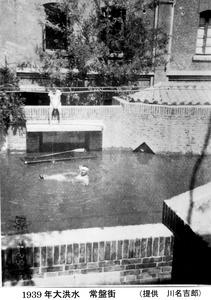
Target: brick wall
(165, 129)
(138, 254)
(177, 129)
(186, 22)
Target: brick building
(186, 22)
(190, 49)
(189, 52)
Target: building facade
(190, 46)
(188, 24)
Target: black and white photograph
(105, 117)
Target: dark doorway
(63, 141)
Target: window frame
(206, 14)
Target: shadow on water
(196, 169)
(144, 158)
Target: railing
(36, 112)
(41, 113)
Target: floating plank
(79, 150)
(27, 162)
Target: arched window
(203, 45)
(55, 36)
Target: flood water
(125, 188)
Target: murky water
(125, 188)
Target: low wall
(188, 217)
(127, 255)
(164, 128)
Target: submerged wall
(164, 128)
(140, 254)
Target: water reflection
(144, 158)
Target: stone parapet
(140, 254)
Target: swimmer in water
(70, 176)
(83, 174)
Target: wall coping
(202, 58)
(71, 126)
(201, 212)
(122, 101)
(86, 235)
(188, 73)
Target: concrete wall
(165, 129)
(188, 217)
(118, 255)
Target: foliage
(7, 79)
(84, 99)
(11, 102)
(115, 43)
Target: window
(112, 22)
(55, 36)
(203, 44)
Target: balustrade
(41, 113)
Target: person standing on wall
(55, 104)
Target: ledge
(188, 75)
(86, 235)
(35, 74)
(202, 58)
(74, 126)
(178, 209)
